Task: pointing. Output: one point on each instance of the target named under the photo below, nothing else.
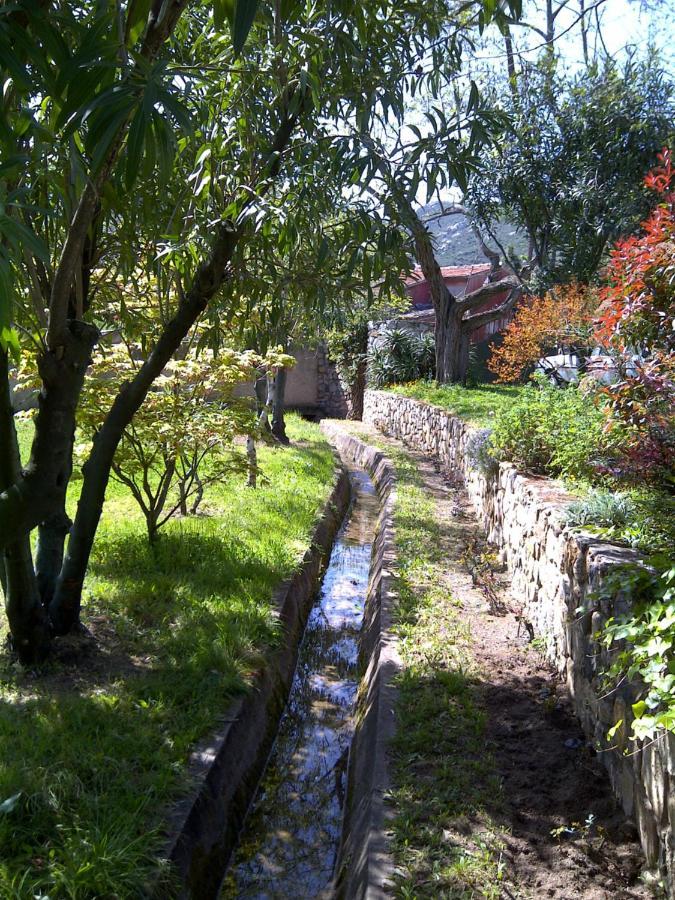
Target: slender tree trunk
(199, 494)
(278, 401)
(252, 456)
(357, 390)
(182, 498)
(584, 30)
(52, 535)
(65, 606)
(263, 425)
(261, 391)
(25, 613)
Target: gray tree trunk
(25, 613)
(278, 405)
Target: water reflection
(290, 841)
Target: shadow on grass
(83, 817)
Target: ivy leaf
(613, 730)
(639, 708)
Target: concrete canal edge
(227, 766)
(365, 866)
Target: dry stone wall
(555, 572)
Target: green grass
(446, 842)
(477, 405)
(96, 748)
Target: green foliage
(552, 431)
(643, 518)
(348, 347)
(643, 642)
(569, 165)
(477, 405)
(478, 451)
(605, 508)
(98, 755)
(190, 418)
(402, 356)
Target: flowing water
(290, 839)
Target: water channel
(289, 843)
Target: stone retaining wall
(555, 571)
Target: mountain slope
(456, 244)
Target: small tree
(561, 321)
(638, 320)
(188, 418)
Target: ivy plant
(644, 641)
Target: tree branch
(471, 323)
(475, 298)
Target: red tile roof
(450, 272)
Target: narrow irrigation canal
(290, 839)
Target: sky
(624, 24)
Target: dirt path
(561, 834)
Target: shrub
(603, 508)
(552, 431)
(479, 451)
(402, 356)
(560, 321)
(639, 315)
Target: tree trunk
(39, 492)
(252, 456)
(357, 390)
(65, 607)
(278, 399)
(448, 343)
(447, 312)
(25, 613)
(463, 356)
(261, 390)
(199, 494)
(52, 535)
(182, 498)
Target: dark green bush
(402, 356)
(553, 431)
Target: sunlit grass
(94, 752)
(477, 405)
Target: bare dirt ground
(563, 834)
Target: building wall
(312, 385)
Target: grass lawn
(477, 405)
(96, 741)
